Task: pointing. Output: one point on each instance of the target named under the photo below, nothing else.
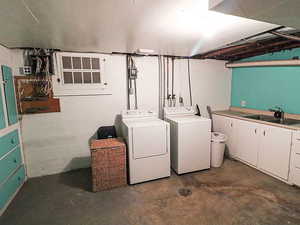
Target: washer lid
(181, 110)
(144, 122)
(187, 119)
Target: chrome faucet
(278, 113)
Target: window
(81, 70)
(80, 74)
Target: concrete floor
(233, 194)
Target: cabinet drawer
(2, 118)
(8, 189)
(296, 137)
(296, 161)
(296, 176)
(8, 142)
(296, 147)
(8, 164)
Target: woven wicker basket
(108, 163)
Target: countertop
(240, 115)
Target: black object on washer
(106, 132)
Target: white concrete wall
(147, 82)
(5, 56)
(11, 57)
(57, 142)
(211, 84)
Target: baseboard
(263, 171)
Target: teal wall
(264, 87)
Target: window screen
(81, 70)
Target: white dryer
(148, 144)
(190, 139)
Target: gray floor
(233, 194)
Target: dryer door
(149, 141)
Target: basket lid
(218, 137)
(107, 143)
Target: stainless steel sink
(271, 119)
(261, 117)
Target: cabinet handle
(255, 130)
(115, 148)
(12, 141)
(264, 133)
(231, 125)
(15, 160)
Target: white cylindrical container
(217, 148)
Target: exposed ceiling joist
(291, 37)
(255, 47)
(225, 50)
(260, 48)
(271, 50)
(281, 12)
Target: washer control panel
(139, 113)
(182, 110)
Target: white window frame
(61, 89)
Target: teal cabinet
(12, 171)
(9, 164)
(8, 142)
(2, 118)
(9, 188)
(10, 97)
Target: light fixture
(142, 51)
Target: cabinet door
(9, 188)
(274, 152)
(227, 126)
(248, 141)
(2, 117)
(231, 131)
(9, 95)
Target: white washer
(190, 139)
(148, 143)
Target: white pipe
(291, 62)
(190, 86)
(164, 80)
(161, 87)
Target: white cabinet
(295, 159)
(227, 125)
(248, 138)
(274, 151)
(265, 147)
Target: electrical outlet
(25, 70)
(243, 103)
